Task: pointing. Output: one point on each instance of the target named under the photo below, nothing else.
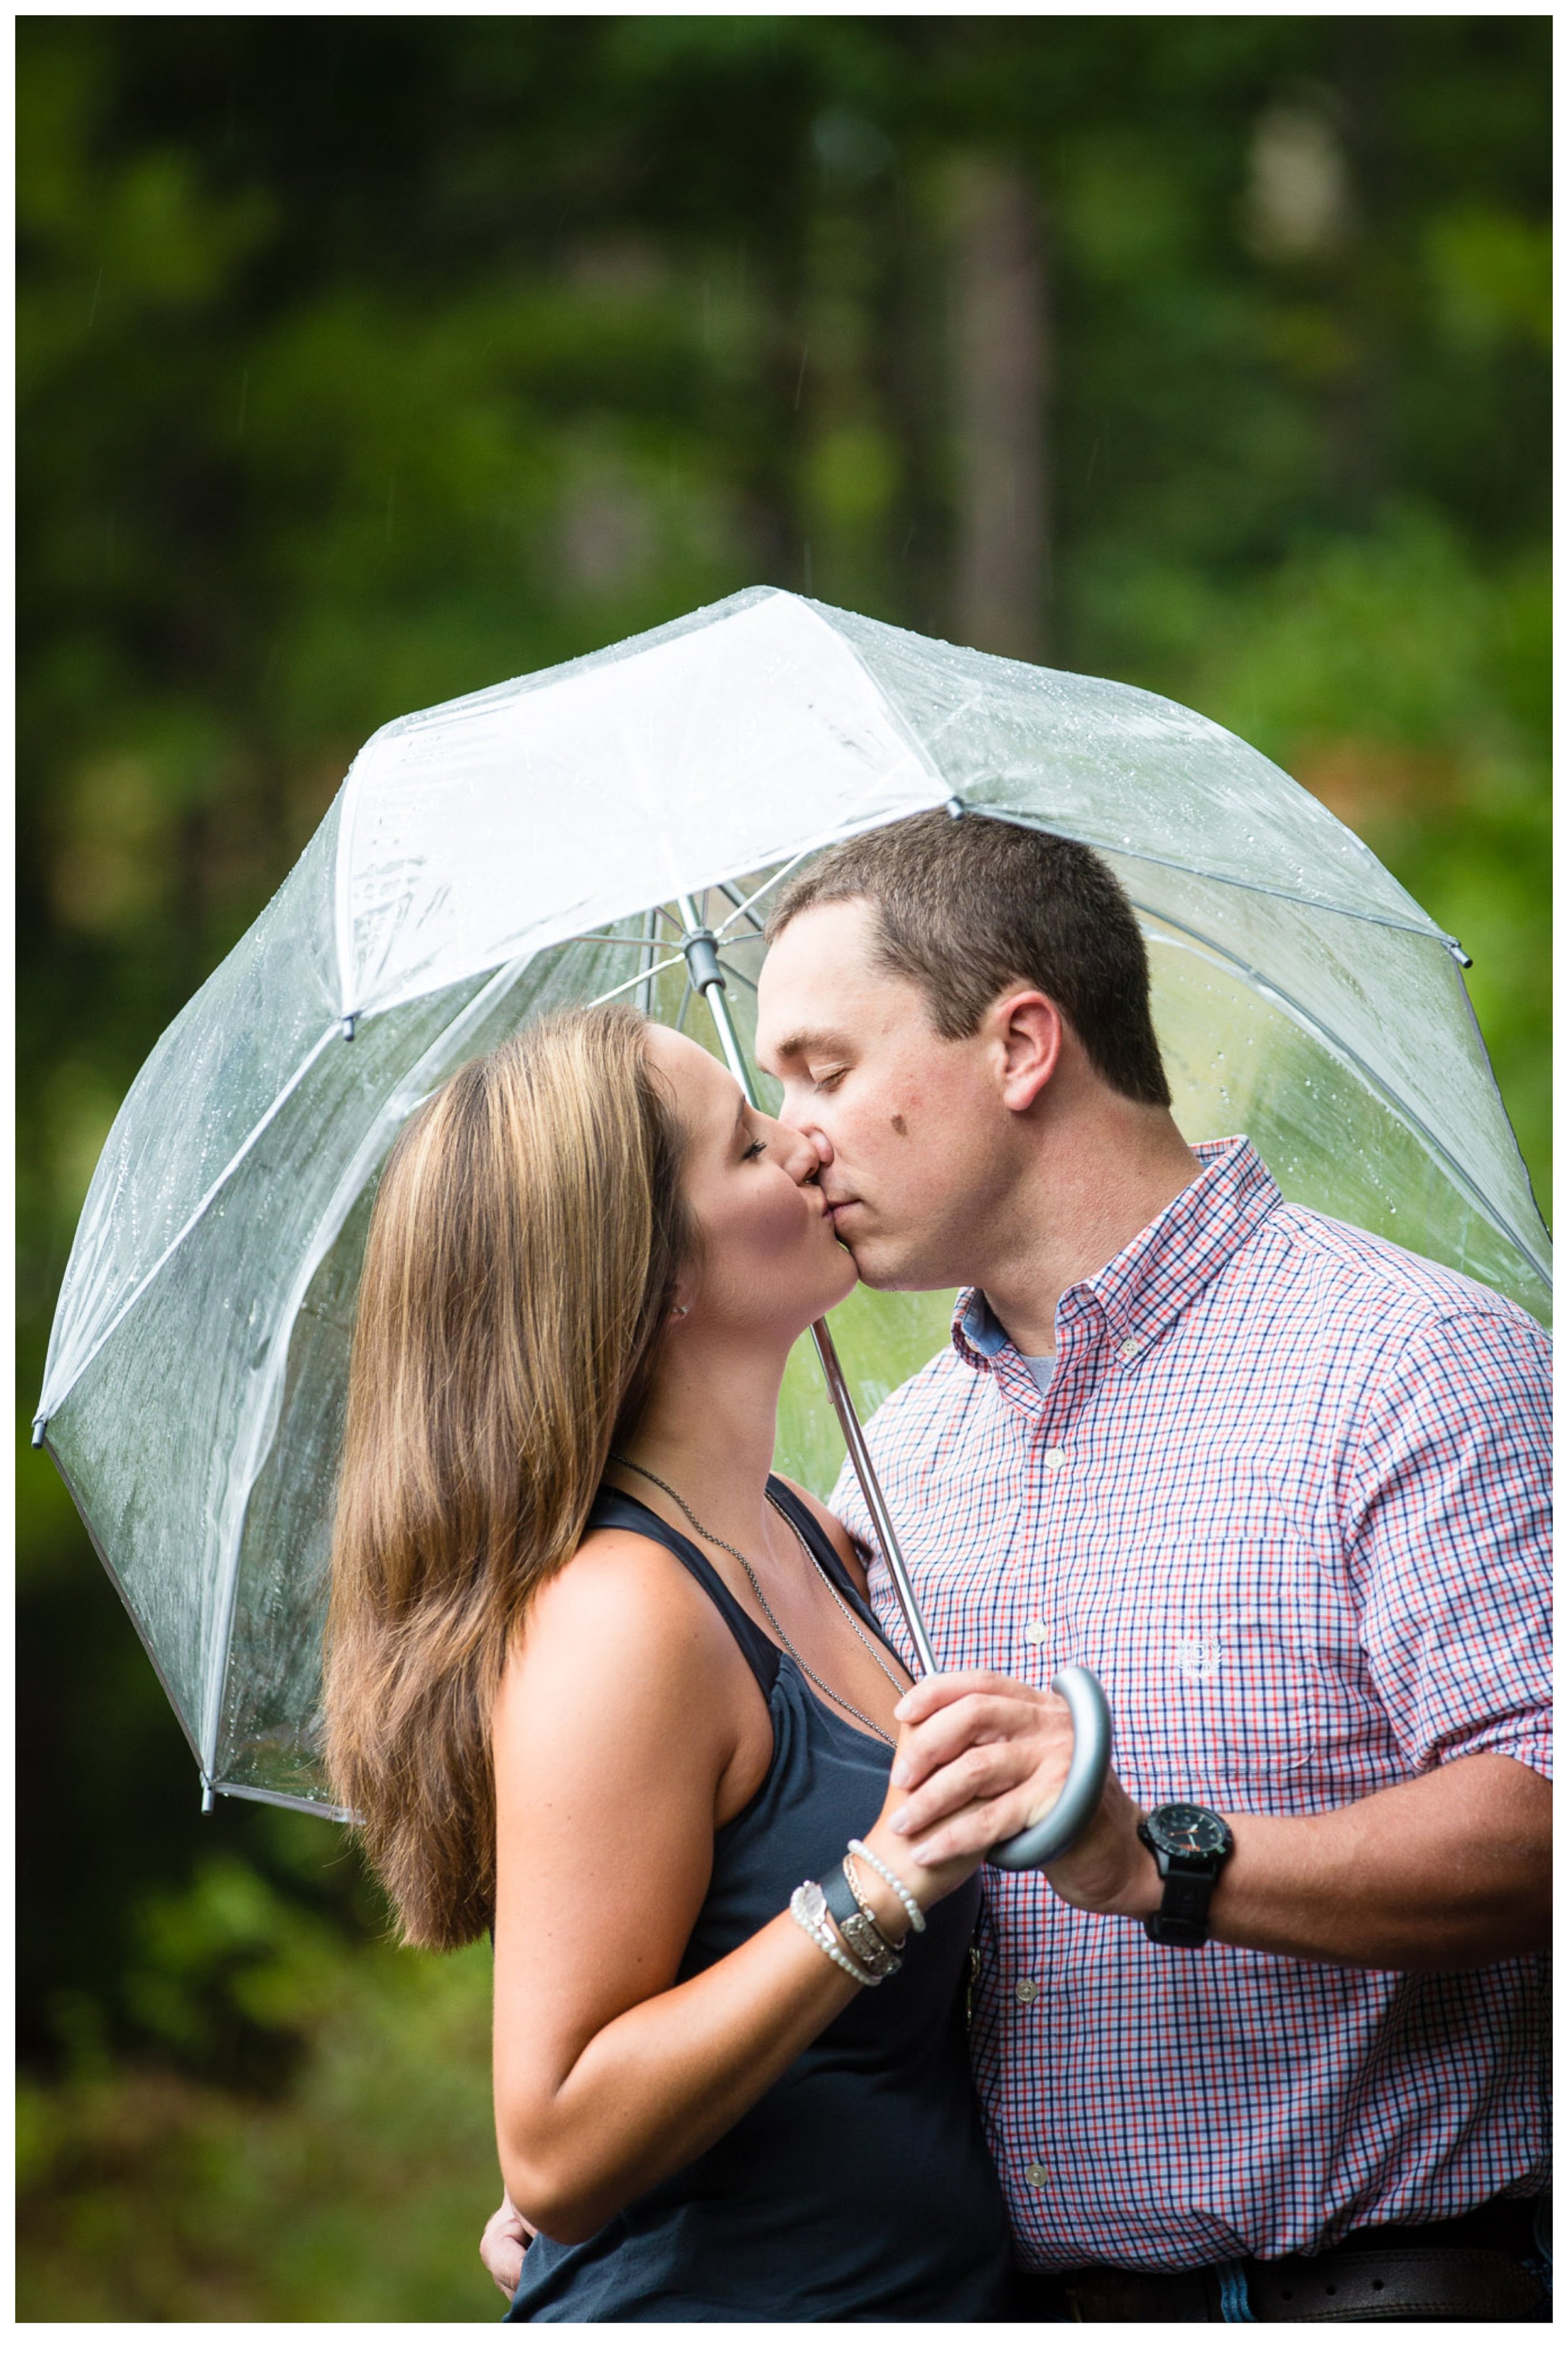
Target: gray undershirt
(1040, 1366)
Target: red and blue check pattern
(1287, 1495)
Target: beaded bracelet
(858, 1893)
(875, 1862)
(812, 1918)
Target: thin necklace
(742, 1561)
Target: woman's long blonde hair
(522, 1258)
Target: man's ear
(1028, 1036)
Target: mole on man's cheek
(901, 1125)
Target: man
(1283, 1487)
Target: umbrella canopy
(527, 846)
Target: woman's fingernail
(922, 1855)
(900, 1823)
(900, 1712)
(900, 1776)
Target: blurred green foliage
(365, 362)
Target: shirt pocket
(1219, 1662)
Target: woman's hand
(502, 2244)
(927, 1882)
(981, 1757)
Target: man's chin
(887, 1269)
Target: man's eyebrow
(810, 1043)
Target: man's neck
(1080, 1206)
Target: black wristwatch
(1190, 1846)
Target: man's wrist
(1189, 1848)
(1140, 1896)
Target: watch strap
(1189, 1884)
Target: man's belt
(1467, 2269)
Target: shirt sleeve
(1449, 1540)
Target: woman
(595, 1677)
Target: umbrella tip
(207, 1799)
(38, 1426)
(1460, 959)
(349, 1022)
(956, 805)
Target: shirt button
(1036, 2176)
(1026, 1990)
(1053, 1458)
(1133, 1343)
(1036, 1633)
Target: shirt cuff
(1527, 1738)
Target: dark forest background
(367, 362)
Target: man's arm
(1443, 1498)
(1446, 1871)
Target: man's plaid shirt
(1287, 1495)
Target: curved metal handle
(1074, 1808)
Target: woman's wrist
(886, 1905)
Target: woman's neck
(707, 1429)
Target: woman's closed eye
(757, 1145)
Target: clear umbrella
(538, 845)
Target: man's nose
(809, 1152)
(821, 1146)
(789, 1118)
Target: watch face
(1187, 1829)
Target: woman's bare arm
(625, 1725)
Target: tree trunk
(1001, 386)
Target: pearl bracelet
(875, 1862)
(809, 1909)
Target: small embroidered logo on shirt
(1196, 1655)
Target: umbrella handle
(1075, 1807)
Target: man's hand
(1446, 1871)
(502, 2244)
(984, 1758)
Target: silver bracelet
(810, 1908)
(875, 1862)
(867, 1915)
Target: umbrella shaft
(870, 1492)
(702, 963)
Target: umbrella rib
(332, 1031)
(747, 904)
(1330, 1038)
(1424, 930)
(621, 988)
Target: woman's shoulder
(623, 1585)
(623, 1638)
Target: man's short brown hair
(966, 905)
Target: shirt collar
(1141, 1290)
